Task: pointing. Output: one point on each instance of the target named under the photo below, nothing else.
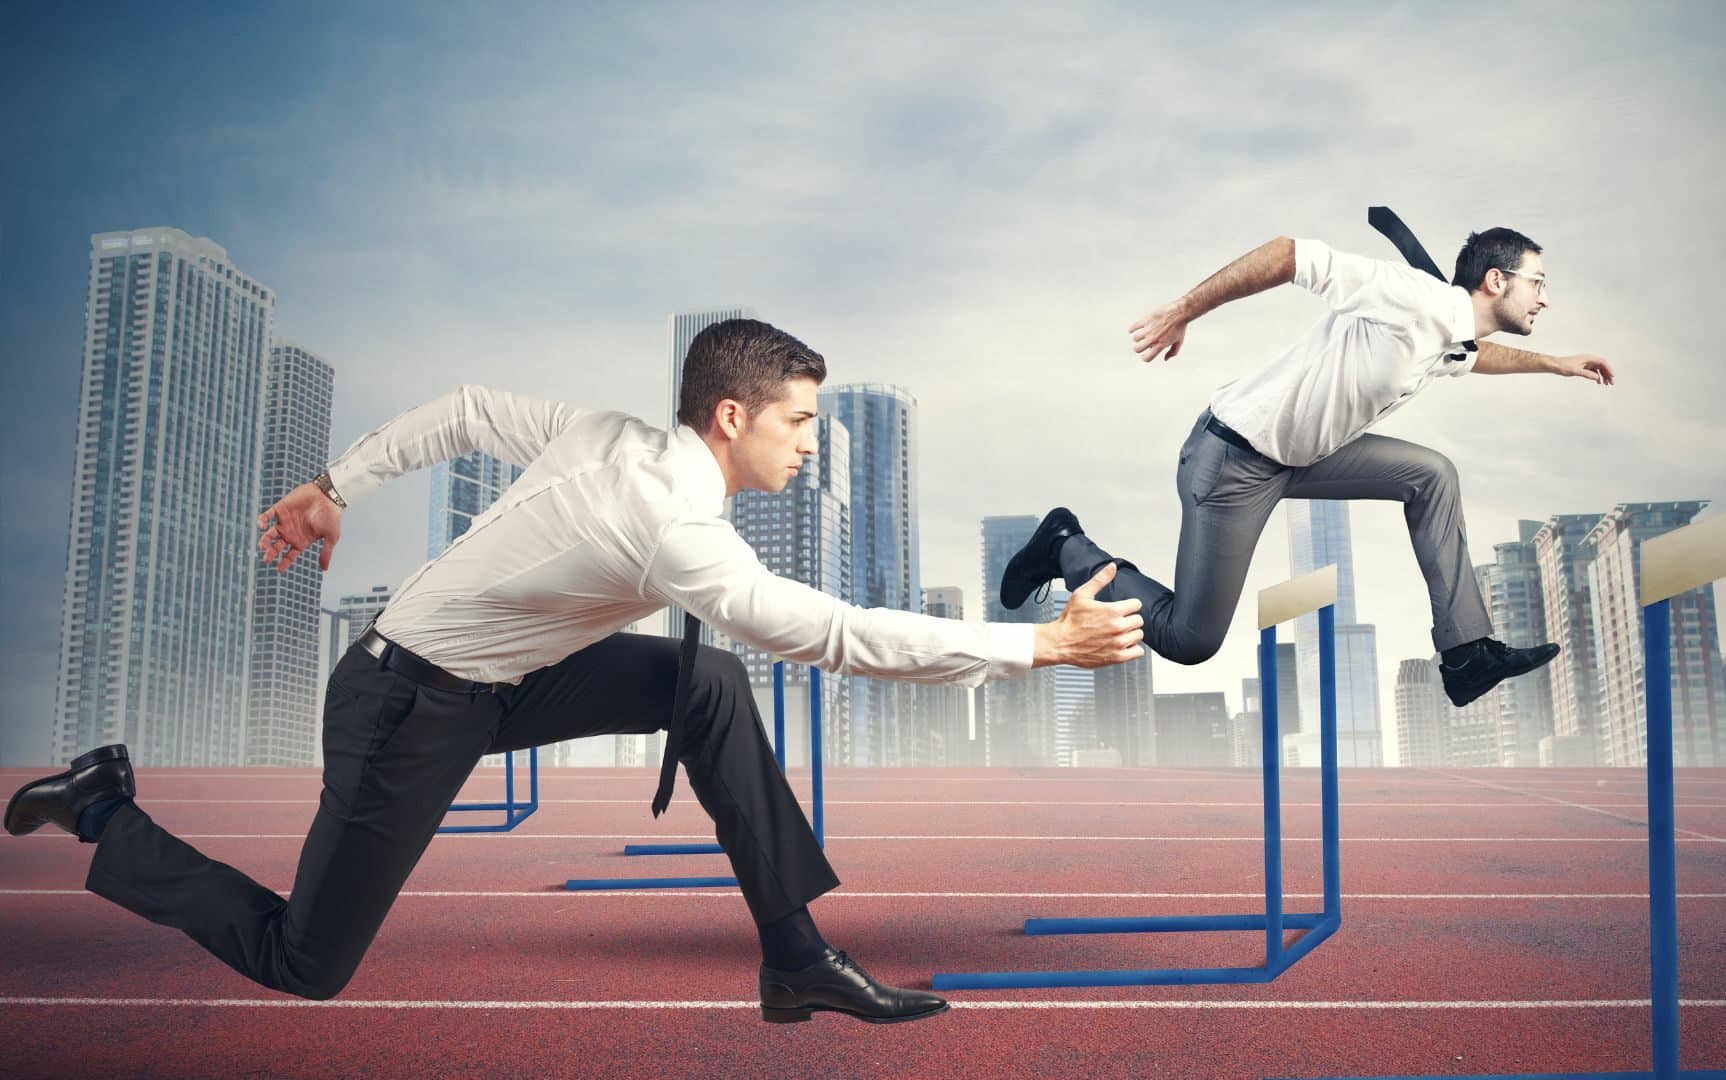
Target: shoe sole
(804, 1013)
(116, 752)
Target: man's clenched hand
(1092, 633)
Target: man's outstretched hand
(1584, 366)
(300, 518)
(1164, 328)
(1092, 633)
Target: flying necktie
(1384, 219)
(679, 706)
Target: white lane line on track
(635, 776)
(847, 894)
(708, 838)
(1591, 809)
(312, 801)
(294, 1003)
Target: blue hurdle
(1675, 562)
(514, 813)
(592, 884)
(1315, 591)
(1672, 563)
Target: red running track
(1494, 921)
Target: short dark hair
(745, 360)
(1494, 249)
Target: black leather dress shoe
(1037, 563)
(103, 773)
(1488, 663)
(835, 983)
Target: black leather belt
(1228, 434)
(419, 669)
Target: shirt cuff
(1462, 329)
(352, 480)
(1012, 646)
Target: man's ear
(729, 417)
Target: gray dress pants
(1227, 493)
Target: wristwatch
(328, 488)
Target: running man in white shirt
(511, 639)
(1296, 429)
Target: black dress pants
(395, 755)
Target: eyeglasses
(1538, 279)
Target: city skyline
(274, 724)
(968, 219)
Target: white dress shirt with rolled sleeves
(612, 521)
(1391, 330)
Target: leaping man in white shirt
(1297, 429)
(512, 638)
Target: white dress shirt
(612, 521)
(1391, 330)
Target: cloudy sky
(974, 205)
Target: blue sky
(974, 204)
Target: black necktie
(1384, 219)
(679, 706)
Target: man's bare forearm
(1496, 359)
(1267, 265)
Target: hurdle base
(1290, 955)
(511, 820)
(673, 849)
(598, 884)
(1166, 924)
(514, 812)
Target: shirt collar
(696, 469)
(1462, 325)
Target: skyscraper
(1698, 687)
(1126, 711)
(1018, 714)
(462, 489)
(804, 533)
(282, 722)
(1511, 587)
(1318, 537)
(1194, 730)
(155, 634)
(1421, 714)
(1563, 557)
(1247, 725)
(882, 420)
(1288, 691)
